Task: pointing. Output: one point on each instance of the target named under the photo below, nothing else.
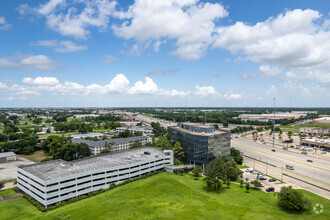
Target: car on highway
(323, 152)
(303, 152)
(310, 161)
(272, 180)
(273, 150)
(264, 142)
(289, 167)
(292, 146)
(270, 189)
(284, 148)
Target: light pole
(274, 126)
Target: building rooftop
(7, 154)
(322, 141)
(103, 142)
(87, 135)
(198, 133)
(59, 168)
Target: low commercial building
(268, 117)
(93, 135)
(201, 144)
(114, 145)
(319, 143)
(129, 123)
(58, 180)
(315, 131)
(322, 120)
(7, 156)
(146, 131)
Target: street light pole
(274, 126)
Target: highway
(316, 172)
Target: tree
(225, 124)
(2, 184)
(136, 144)
(178, 151)
(256, 184)
(222, 168)
(163, 143)
(105, 151)
(236, 155)
(291, 199)
(197, 171)
(228, 183)
(241, 183)
(247, 187)
(216, 126)
(37, 121)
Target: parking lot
(277, 185)
(8, 170)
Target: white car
(250, 180)
(254, 172)
(249, 170)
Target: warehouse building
(201, 143)
(7, 156)
(146, 131)
(114, 145)
(58, 180)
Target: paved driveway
(8, 170)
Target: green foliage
(247, 187)
(37, 121)
(240, 129)
(197, 171)
(136, 144)
(228, 183)
(256, 184)
(105, 151)
(216, 126)
(157, 129)
(236, 155)
(178, 151)
(2, 184)
(241, 183)
(163, 143)
(293, 200)
(10, 128)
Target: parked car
(254, 172)
(284, 148)
(262, 185)
(262, 178)
(310, 161)
(272, 180)
(289, 167)
(303, 152)
(249, 170)
(250, 180)
(323, 152)
(270, 189)
(273, 150)
(292, 146)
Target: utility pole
(282, 174)
(266, 167)
(274, 126)
(254, 161)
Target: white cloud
(206, 91)
(28, 62)
(3, 24)
(3, 85)
(188, 22)
(272, 90)
(108, 58)
(295, 39)
(119, 84)
(73, 19)
(147, 87)
(232, 96)
(60, 46)
(41, 81)
(270, 70)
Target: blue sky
(60, 53)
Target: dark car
(310, 161)
(262, 178)
(270, 189)
(273, 150)
(272, 180)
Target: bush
(293, 200)
(247, 187)
(197, 171)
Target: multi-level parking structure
(58, 180)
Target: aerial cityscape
(164, 109)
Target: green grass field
(168, 196)
(295, 128)
(7, 192)
(37, 156)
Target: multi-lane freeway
(313, 176)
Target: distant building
(146, 131)
(7, 156)
(129, 123)
(315, 131)
(323, 120)
(201, 144)
(44, 130)
(86, 115)
(319, 143)
(93, 135)
(268, 117)
(58, 180)
(114, 145)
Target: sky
(164, 53)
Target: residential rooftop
(59, 168)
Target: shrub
(247, 187)
(197, 171)
(292, 200)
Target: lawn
(295, 128)
(37, 156)
(7, 192)
(168, 196)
